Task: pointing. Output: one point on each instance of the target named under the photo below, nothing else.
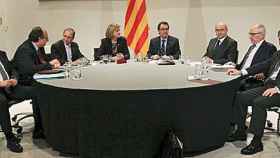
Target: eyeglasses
(219, 29)
(254, 33)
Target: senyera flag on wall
(136, 27)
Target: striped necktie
(247, 54)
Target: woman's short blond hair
(111, 29)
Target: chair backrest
(275, 109)
(14, 101)
(96, 50)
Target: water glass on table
(76, 73)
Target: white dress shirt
(68, 51)
(250, 58)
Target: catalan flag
(136, 26)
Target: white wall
(191, 21)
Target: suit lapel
(73, 50)
(110, 46)
(158, 44)
(212, 46)
(258, 53)
(275, 61)
(63, 50)
(35, 55)
(224, 45)
(168, 44)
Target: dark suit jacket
(58, 51)
(172, 47)
(27, 63)
(268, 66)
(10, 70)
(264, 53)
(106, 48)
(7, 65)
(226, 52)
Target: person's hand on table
(119, 56)
(233, 72)
(5, 83)
(55, 63)
(260, 76)
(270, 92)
(209, 60)
(155, 57)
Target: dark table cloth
(132, 123)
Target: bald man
(222, 48)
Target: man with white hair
(258, 52)
(222, 48)
(260, 98)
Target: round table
(125, 110)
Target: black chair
(96, 54)
(16, 122)
(269, 124)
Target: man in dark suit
(260, 98)
(29, 59)
(30, 56)
(164, 44)
(10, 89)
(223, 48)
(258, 52)
(66, 50)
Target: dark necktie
(247, 54)
(162, 49)
(3, 72)
(217, 44)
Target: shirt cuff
(277, 89)
(244, 72)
